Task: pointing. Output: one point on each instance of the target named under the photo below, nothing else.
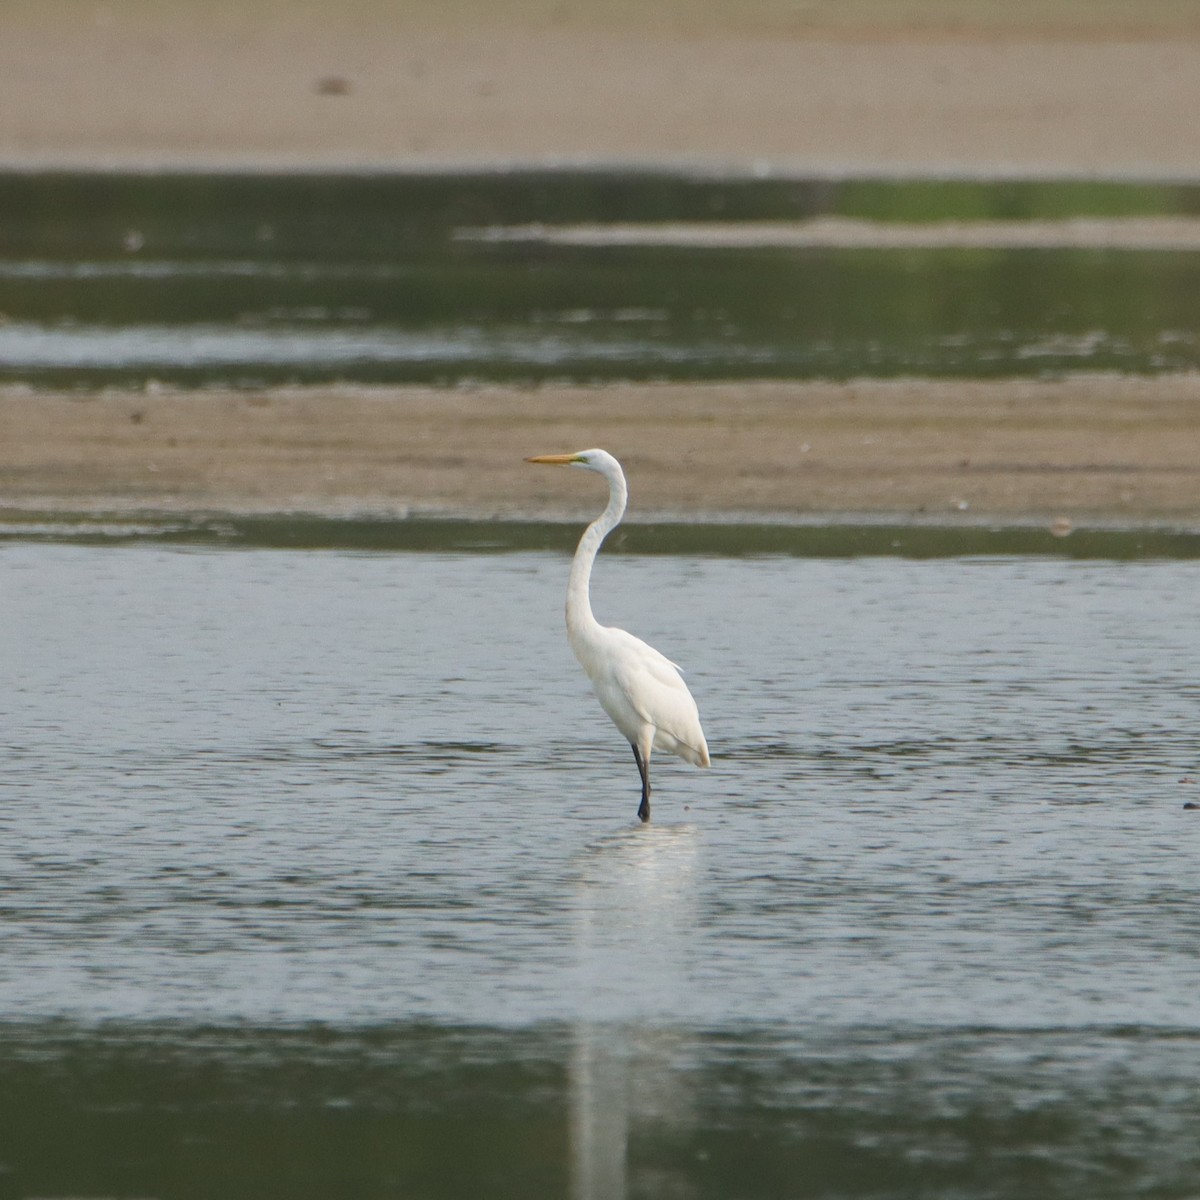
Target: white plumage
(641, 690)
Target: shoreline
(700, 169)
(373, 528)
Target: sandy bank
(1084, 448)
(863, 86)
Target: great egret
(640, 689)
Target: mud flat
(1087, 448)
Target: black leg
(644, 772)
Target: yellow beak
(555, 460)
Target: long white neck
(580, 621)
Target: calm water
(247, 280)
(321, 878)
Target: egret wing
(655, 691)
(634, 654)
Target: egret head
(589, 460)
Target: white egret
(640, 689)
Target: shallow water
(248, 280)
(321, 877)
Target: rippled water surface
(321, 877)
(239, 281)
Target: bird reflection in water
(636, 902)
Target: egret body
(640, 689)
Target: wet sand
(1085, 449)
(1079, 233)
